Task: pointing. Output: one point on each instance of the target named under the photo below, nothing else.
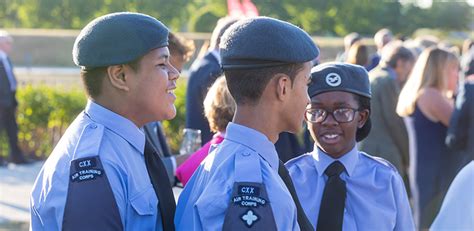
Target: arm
(404, 218)
(88, 199)
(435, 106)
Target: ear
(117, 77)
(283, 85)
(363, 117)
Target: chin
(170, 114)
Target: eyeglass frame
(354, 110)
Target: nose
(173, 73)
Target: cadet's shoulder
(89, 141)
(300, 162)
(377, 162)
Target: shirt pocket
(145, 202)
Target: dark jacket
(7, 96)
(202, 76)
(460, 137)
(388, 137)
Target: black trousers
(8, 123)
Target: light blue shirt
(376, 197)
(457, 211)
(119, 144)
(204, 201)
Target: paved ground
(16, 182)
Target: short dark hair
(181, 46)
(395, 51)
(93, 78)
(364, 103)
(247, 85)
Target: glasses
(341, 115)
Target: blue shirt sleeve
(404, 219)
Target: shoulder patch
(86, 169)
(89, 141)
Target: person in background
(242, 184)
(341, 188)
(8, 103)
(457, 211)
(388, 138)
(460, 138)
(349, 40)
(381, 38)
(103, 174)
(358, 54)
(426, 104)
(202, 74)
(181, 51)
(219, 108)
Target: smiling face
(333, 137)
(298, 100)
(152, 87)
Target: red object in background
(249, 8)
(244, 8)
(234, 8)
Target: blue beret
(118, 38)
(265, 42)
(339, 77)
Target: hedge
(44, 113)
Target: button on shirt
(376, 197)
(206, 197)
(120, 148)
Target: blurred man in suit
(388, 138)
(381, 38)
(203, 73)
(8, 101)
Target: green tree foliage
(319, 17)
(45, 112)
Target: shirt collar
(323, 160)
(116, 123)
(254, 140)
(2, 54)
(216, 55)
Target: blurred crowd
(421, 110)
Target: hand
(181, 158)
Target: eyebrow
(163, 56)
(317, 103)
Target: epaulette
(89, 141)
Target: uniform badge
(333, 79)
(249, 208)
(85, 169)
(249, 218)
(248, 196)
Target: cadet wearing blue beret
(340, 187)
(97, 176)
(242, 185)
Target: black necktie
(303, 221)
(161, 184)
(331, 211)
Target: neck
(252, 117)
(117, 106)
